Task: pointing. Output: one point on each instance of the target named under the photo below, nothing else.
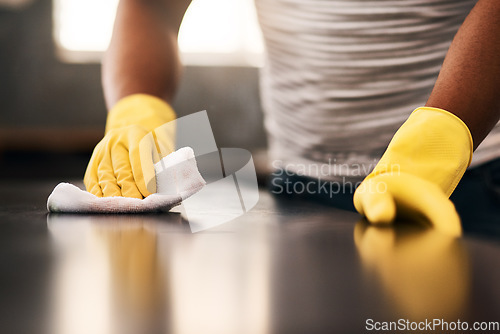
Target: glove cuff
(144, 110)
(466, 136)
(432, 144)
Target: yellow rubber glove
(122, 162)
(420, 169)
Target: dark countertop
(287, 266)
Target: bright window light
(213, 32)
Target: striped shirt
(341, 77)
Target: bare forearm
(469, 82)
(143, 53)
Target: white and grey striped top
(342, 76)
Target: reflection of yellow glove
(133, 263)
(119, 166)
(421, 167)
(423, 272)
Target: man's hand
(122, 162)
(385, 198)
(115, 168)
(418, 172)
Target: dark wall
(49, 104)
(37, 89)
(230, 96)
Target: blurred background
(52, 110)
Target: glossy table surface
(287, 266)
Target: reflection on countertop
(422, 271)
(287, 266)
(150, 274)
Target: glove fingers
(433, 204)
(420, 200)
(375, 202)
(123, 173)
(90, 179)
(382, 208)
(122, 164)
(105, 172)
(142, 158)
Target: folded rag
(177, 178)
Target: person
(340, 82)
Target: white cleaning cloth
(177, 178)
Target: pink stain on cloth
(177, 178)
